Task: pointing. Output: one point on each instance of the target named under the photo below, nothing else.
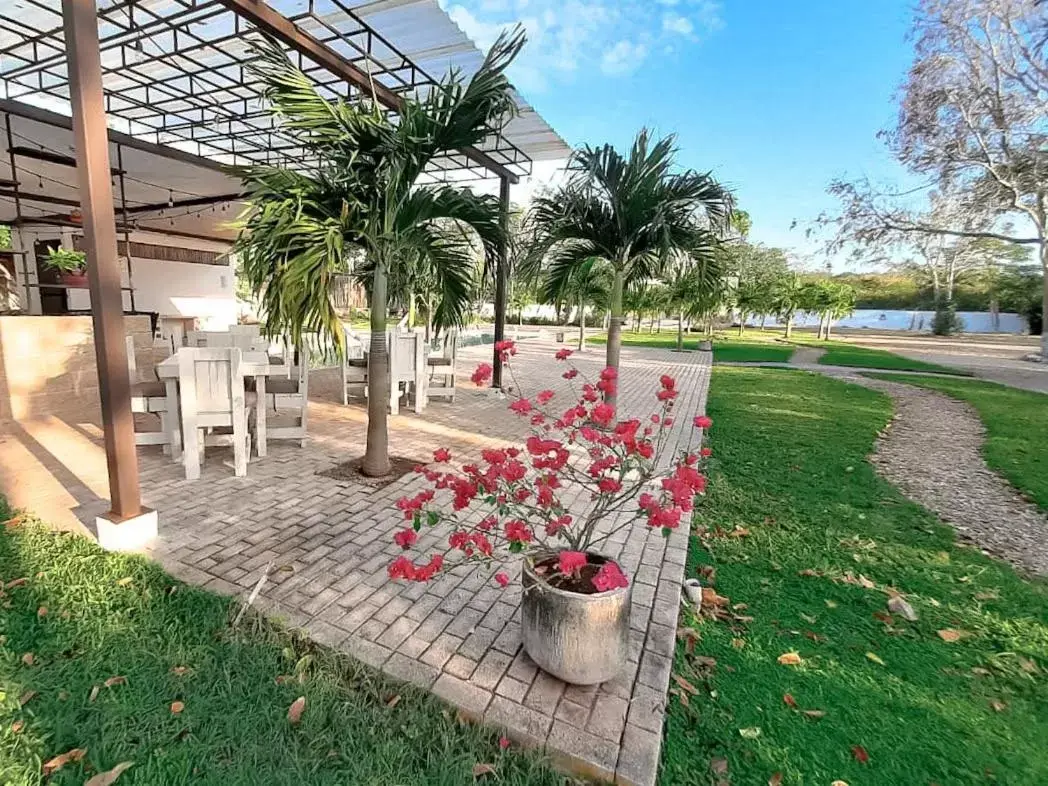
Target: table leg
(260, 415)
(174, 422)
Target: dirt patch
(349, 471)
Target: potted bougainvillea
(582, 476)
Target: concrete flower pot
(579, 638)
(706, 346)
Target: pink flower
(503, 580)
(405, 538)
(706, 452)
(609, 373)
(518, 532)
(521, 406)
(563, 354)
(701, 421)
(506, 346)
(571, 561)
(482, 374)
(609, 577)
(571, 373)
(503, 741)
(544, 396)
(667, 382)
(401, 568)
(493, 456)
(441, 455)
(488, 522)
(666, 394)
(603, 414)
(609, 486)
(559, 523)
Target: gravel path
(930, 451)
(806, 356)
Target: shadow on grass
(118, 616)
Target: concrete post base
(132, 534)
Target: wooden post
(96, 205)
(501, 274)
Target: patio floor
(329, 543)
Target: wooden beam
(283, 29)
(501, 282)
(80, 19)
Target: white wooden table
(254, 365)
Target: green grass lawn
(756, 347)
(1016, 428)
(807, 540)
(88, 617)
(843, 354)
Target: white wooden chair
(151, 397)
(245, 340)
(407, 367)
(290, 397)
(211, 386)
(441, 369)
(354, 366)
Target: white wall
(172, 289)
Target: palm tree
(692, 280)
(586, 285)
(630, 211)
(786, 297)
(361, 205)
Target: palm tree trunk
(680, 331)
(789, 327)
(829, 321)
(411, 309)
(742, 322)
(764, 321)
(615, 328)
(582, 324)
(376, 456)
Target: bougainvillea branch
(513, 498)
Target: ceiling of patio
(175, 78)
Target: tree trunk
(582, 324)
(1044, 300)
(742, 322)
(764, 321)
(680, 331)
(658, 327)
(615, 328)
(789, 327)
(376, 456)
(651, 325)
(411, 310)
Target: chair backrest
(405, 350)
(210, 379)
(354, 343)
(451, 340)
(247, 341)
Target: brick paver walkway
(329, 543)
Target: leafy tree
(691, 280)
(631, 210)
(588, 284)
(755, 267)
(786, 295)
(364, 202)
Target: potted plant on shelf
(581, 477)
(70, 266)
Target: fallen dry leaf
(119, 680)
(1028, 666)
(179, 671)
(177, 707)
(16, 583)
(393, 701)
(719, 765)
(28, 659)
(789, 701)
(790, 659)
(738, 644)
(483, 769)
(294, 712)
(875, 658)
(42, 611)
(865, 582)
(750, 732)
(816, 714)
(16, 727)
(61, 760)
(896, 605)
(108, 777)
(124, 581)
(952, 634)
(860, 754)
(94, 693)
(689, 636)
(811, 620)
(26, 697)
(685, 685)
(711, 598)
(990, 595)
(883, 616)
(998, 706)
(704, 661)
(775, 779)
(830, 604)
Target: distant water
(915, 321)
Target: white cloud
(567, 37)
(675, 23)
(624, 57)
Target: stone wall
(47, 366)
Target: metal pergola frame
(177, 80)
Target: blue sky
(776, 97)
